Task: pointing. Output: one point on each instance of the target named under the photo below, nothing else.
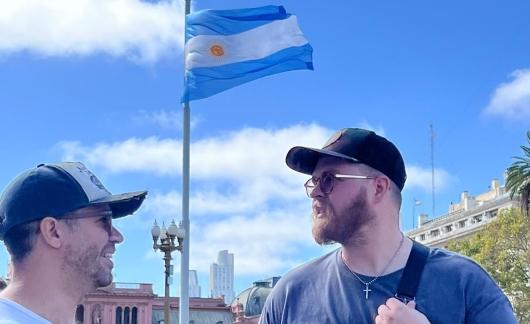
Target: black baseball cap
(356, 145)
(56, 189)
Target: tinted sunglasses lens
(326, 183)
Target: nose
(116, 236)
(316, 192)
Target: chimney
(465, 194)
(495, 184)
(422, 218)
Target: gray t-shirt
(453, 290)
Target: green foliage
(503, 249)
(518, 180)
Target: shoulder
(445, 260)
(310, 269)
(13, 313)
(308, 273)
(459, 275)
(462, 275)
(302, 280)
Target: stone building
(464, 218)
(248, 305)
(132, 303)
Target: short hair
(3, 284)
(20, 239)
(395, 192)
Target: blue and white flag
(226, 48)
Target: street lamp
(167, 245)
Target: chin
(103, 279)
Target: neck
(44, 295)
(377, 255)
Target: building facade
(248, 304)
(464, 218)
(222, 276)
(131, 303)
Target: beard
(85, 264)
(342, 226)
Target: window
(80, 314)
(435, 232)
(134, 317)
(422, 237)
(119, 315)
(126, 316)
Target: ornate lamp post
(167, 245)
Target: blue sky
(100, 82)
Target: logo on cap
(92, 177)
(334, 138)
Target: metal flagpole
(184, 301)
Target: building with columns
(464, 218)
(249, 303)
(133, 303)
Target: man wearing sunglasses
(56, 223)
(355, 187)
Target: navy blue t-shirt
(453, 290)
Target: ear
(52, 232)
(382, 186)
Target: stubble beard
(343, 226)
(86, 265)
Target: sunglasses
(326, 182)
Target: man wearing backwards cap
(56, 223)
(356, 184)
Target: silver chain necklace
(367, 289)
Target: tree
(518, 180)
(502, 248)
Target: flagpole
(184, 301)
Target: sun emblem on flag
(217, 50)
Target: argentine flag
(226, 48)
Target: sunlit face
(340, 215)
(89, 255)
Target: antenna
(432, 166)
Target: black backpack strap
(410, 280)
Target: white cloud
(158, 156)
(264, 243)
(250, 153)
(136, 29)
(244, 198)
(512, 99)
(267, 241)
(171, 120)
(418, 177)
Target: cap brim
(123, 204)
(305, 159)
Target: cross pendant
(367, 290)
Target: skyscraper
(195, 288)
(222, 276)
